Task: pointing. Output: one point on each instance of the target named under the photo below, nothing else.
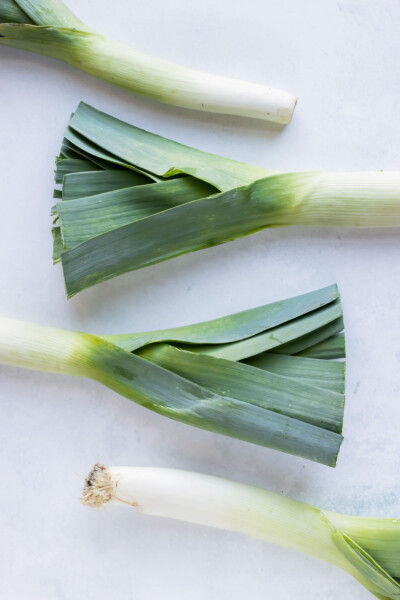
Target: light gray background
(340, 58)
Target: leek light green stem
(49, 28)
(369, 549)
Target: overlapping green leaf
(129, 145)
(49, 12)
(179, 398)
(295, 388)
(85, 218)
(10, 12)
(90, 183)
(66, 166)
(366, 569)
(330, 348)
(282, 394)
(325, 374)
(238, 326)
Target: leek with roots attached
(249, 375)
(367, 548)
(131, 199)
(48, 27)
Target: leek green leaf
(236, 327)
(91, 183)
(325, 374)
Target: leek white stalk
(41, 348)
(369, 549)
(49, 28)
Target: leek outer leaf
(105, 137)
(49, 12)
(330, 348)
(312, 340)
(321, 373)
(49, 28)
(57, 244)
(244, 382)
(367, 548)
(83, 218)
(282, 408)
(239, 201)
(278, 336)
(75, 166)
(10, 12)
(91, 183)
(236, 327)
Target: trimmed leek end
(99, 488)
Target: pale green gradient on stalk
(236, 327)
(49, 28)
(282, 408)
(367, 548)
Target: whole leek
(48, 27)
(367, 548)
(131, 199)
(247, 375)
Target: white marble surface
(340, 58)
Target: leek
(206, 375)
(367, 548)
(149, 199)
(48, 27)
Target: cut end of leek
(99, 487)
(285, 113)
